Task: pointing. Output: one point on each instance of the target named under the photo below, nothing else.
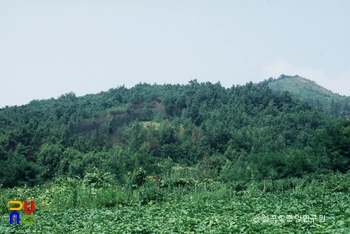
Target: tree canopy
(235, 133)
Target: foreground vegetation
(306, 205)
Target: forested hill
(313, 93)
(238, 133)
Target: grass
(74, 206)
(239, 214)
(145, 124)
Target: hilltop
(310, 91)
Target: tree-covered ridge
(313, 93)
(236, 133)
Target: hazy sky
(48, 48)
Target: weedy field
(292, 213)
(72, 207)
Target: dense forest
(223, 134)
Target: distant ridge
(308, 90)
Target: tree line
(239, 133)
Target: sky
(49, 48)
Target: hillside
(223, 134)
(313, 93)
